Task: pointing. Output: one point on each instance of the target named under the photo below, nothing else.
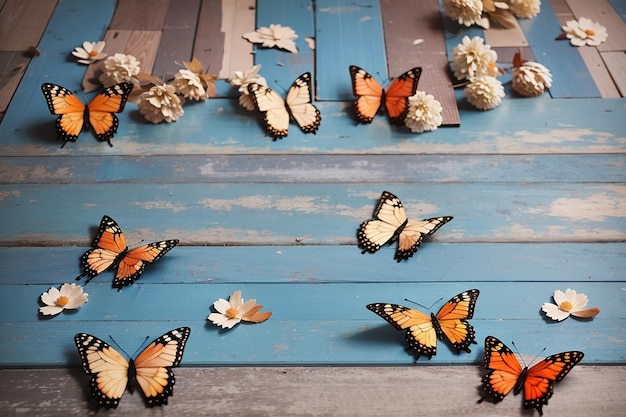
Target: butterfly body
(74, 116)
(422, 330)
(371, 96)
(390, 224)
(297, 105)
(111, 252)
(505, 374)
(111, 375)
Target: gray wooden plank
(209, 39)
(371, 169)
(141, 15)
(177, 39)
(12, 68)
(404, 22)
(319, 391)
(22, 22)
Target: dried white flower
(531, 79)
(568, 303)
(160, 103)
(525, 9)
(189, 84)
(90, 52)
(473, 58)
(70, 296)
(119, 68)
(241, 80)
(275, 35)
(424, 113)
(235, 310)
(484, 92)
(465, 12)
(585, 32)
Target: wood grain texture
(238, 17)
(12, 69)
(616, 64)
(22, 23)
(140, 15)
(319, 391)
(403, 23)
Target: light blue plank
(327, 214)
(371, 169)
(571, 80)
(220, 126)
(347, 34)
(620, 7)
(311, 324)
(280, 68)
(434, 262)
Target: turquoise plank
(280, 68)
(371, 169)
(311, 324)
(571, 80)
(220, 126)
(347, 34)
(620, 7)
(327, 214)
(434, 262)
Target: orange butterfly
(111, 374)
(371, 95)
(505, 374)
(111, 251)
(450, 323)
(73, 114)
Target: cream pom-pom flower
(160, 103)
(568, 303)
(69, 297)
(465, 12)
(484, 92)
(525, 9)
(473, 58)
(275, 35)
(531, 79)
(119, 68)
(235, 310)
(241, 80)
(424, 113)
(189, 84)
(90, 52)
(585, 32)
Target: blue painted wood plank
(571, 80)
(343, 331)
(347, 34)
(372, 169)
(278, 214)
(547, 126)
(280, 68)
(434, 262)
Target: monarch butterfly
(297, 104)
(391, 224)
(111, 374)
(371, 95)
(422, 331)
(111, 251)
(73, 114)
(505, 374)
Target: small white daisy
(70, 296)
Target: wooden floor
(537, 188)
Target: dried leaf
(561, 37)
(208, 81)
(149, 78)
(503, 18)
(33, 51)
(194, 66)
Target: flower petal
(579, 301)
(235, 300)
(51, 296)
(554, 312)
(50, 310)
(221, 305)
(559, 297)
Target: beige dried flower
(484, 93)
(465, 12)
(119, 68)
(189, 85)
(531, 79)
(160, 103)
(525, 9)
(424, 113)
(473, 58)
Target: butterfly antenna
(519, 355)
(422, 305)
(122, 349)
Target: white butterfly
(297, 104)
(390, 224)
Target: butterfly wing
(413, 233)
(107, 368)
(503, 369)
(398, 93)
(131, 266)
(272, 105)
(298, 101)
(421, 335)
(110, 246)
(102, 110)
(70, 109)
(540, 379)
(452, 320)
(369, 94)
(153, 366)
(389, 219)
